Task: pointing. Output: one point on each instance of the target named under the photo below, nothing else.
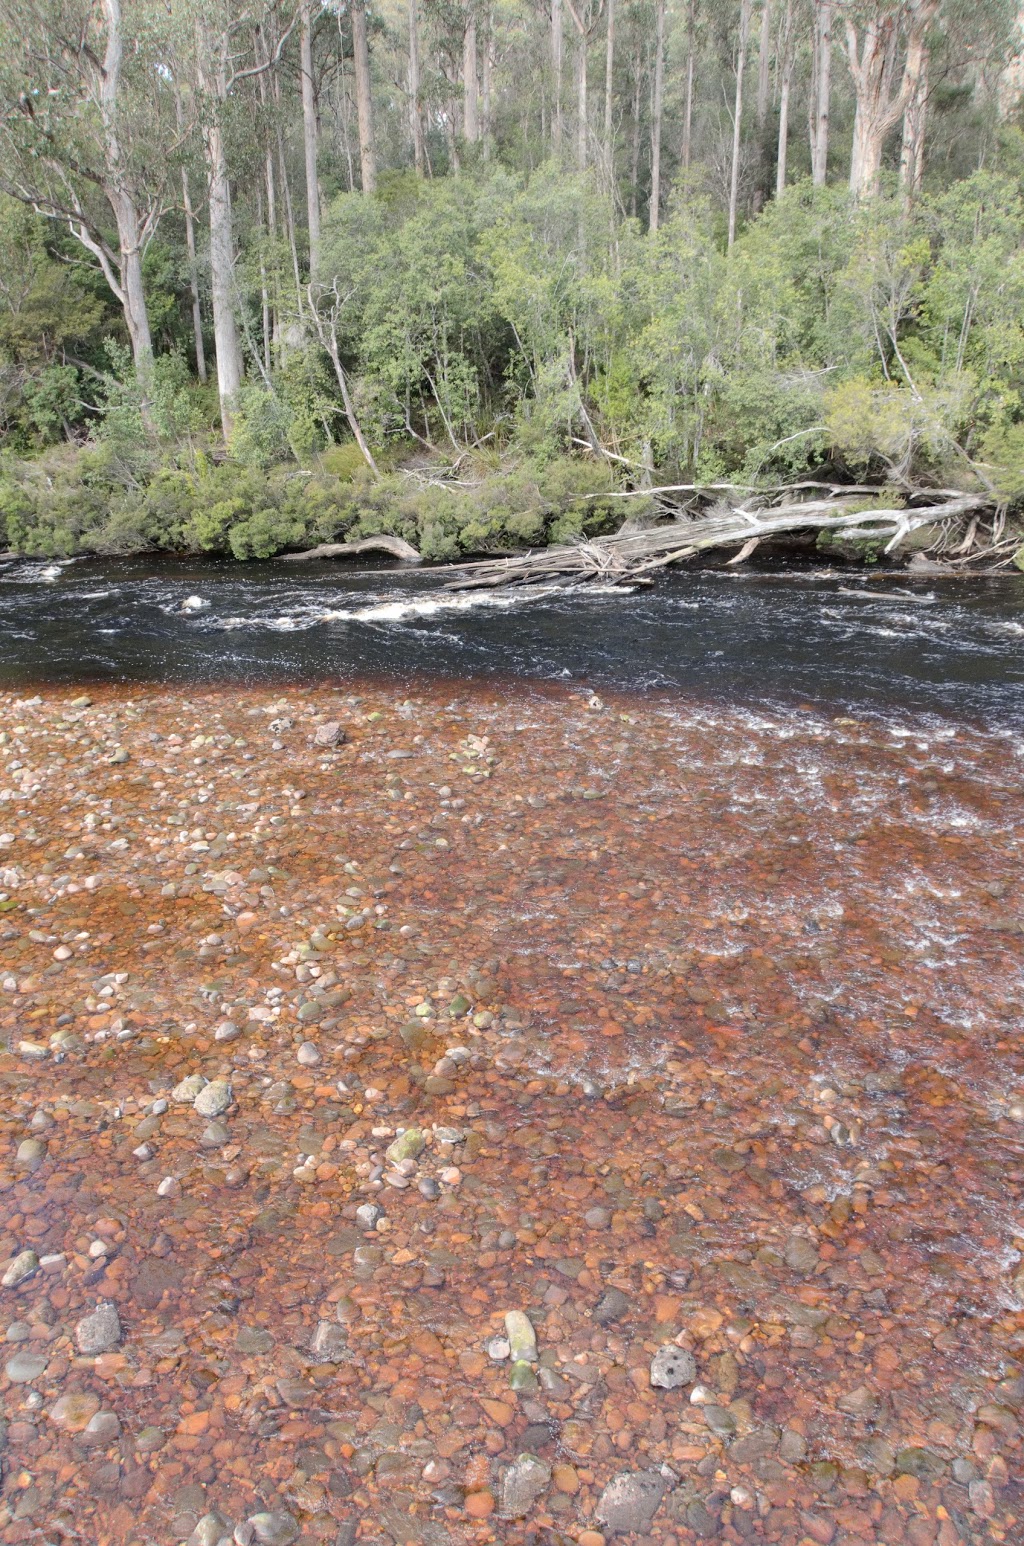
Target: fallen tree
(630, 555)
(397, 547)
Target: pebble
(521, 1485)
(215, 1135)
(308, 1055)
(673, 1366)
(408, 1145)
(277, 1528)
(74, 1411)
(330, 1343)
(522, 1339)
(25, 1367)
(31, 1153)
(630, 1501)
(329, 734)
(102, 1429)
(185, 1092)
(214, 1099)
(99, 1332)
(23, 1266)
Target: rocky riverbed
(507, 1116)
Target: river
(859, 639)
(376, 962)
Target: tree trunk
(656, 115)
(872, 59)
(193, 279)
(415, 116)
(470, 85)
(821, 90)
(309, 136)
(126, 214)
(634, 156)
(785, 83)
(581, 108)
(227, 349)
(609, 67)
(764, 62)
(364, 100)
(556, 70)
(688, 108)
(915, 77)
(741, 55)
(486, 66)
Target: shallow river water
(680, 934)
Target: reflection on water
(871, 640)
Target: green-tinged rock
(522, 1339)
(408, 1145)
(522, 1377)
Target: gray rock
(630, 1501)
(186, 1091)
(330, 1343)
(611, 1307)
(25, 1367)
(102, 1429)
(308, 1055)
(597, 1218)
(369, 1214)
(800, 1254)
(149, 1440)
(30, 1155)
(213, 1099)
(793, 1447)
(278, 1528)
(522, 1339)
(673, 1366)
(521, 1485)
(98, 1332)
(21, 1267)
(720, 1420)
(226, 1031)
(330, 734)
(210, 1529)
(428, 1188)
(214, 1135)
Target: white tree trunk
(609, 69)
(764, 62)
(557, 47)
(415, 116)
(470, 85)
(309, 136)
(581, 106)
(785, 86)
(222, 278)
(741, 56)
(691, 43)
(656, 116)
(872, 59)
(486, 67)
(193, 278)
(915, 77)
(364, 100)
(821, 90)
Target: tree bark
(415, 116)
(915, 75)
(309, 136)
(364, 100)
(764, 62)
(470, 85)
(227, 349)
(557, 48)
(581, 106)
(821, 90)
(872, 60)
(688, 108)
(120, 198)
(741, 55)
(785, 85)
(193, 278)
(486, 66)
(609, 68)
(656, 116)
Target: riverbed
(655, 973)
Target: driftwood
(396, 546)
(628, 556)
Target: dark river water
(856, 640)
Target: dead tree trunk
(785, 85)
(656, 115)
(309, 136)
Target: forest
(468, 271)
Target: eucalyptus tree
(88, 120)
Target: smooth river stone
(25, 1367)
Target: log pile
(630, 555)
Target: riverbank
(701, 1025)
